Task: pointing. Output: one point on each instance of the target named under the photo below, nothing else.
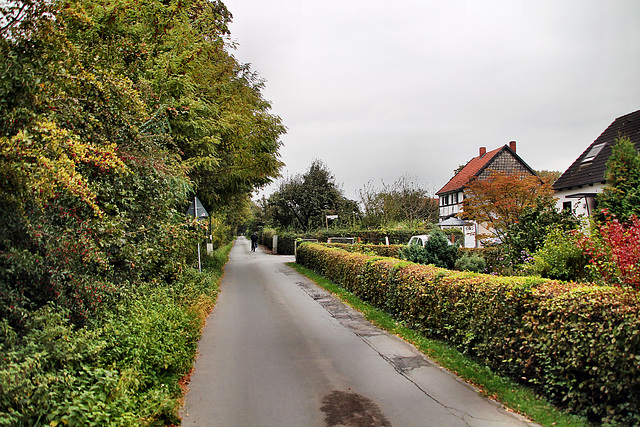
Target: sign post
(330, 217)
(198, 211)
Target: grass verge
(513, 396)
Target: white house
(577, 187)
(503, 159)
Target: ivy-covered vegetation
(576, 344)
(113, 115)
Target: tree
(302, 201)
(560, 256)
(112, 114)
(89, 197)
(501, 201)
(373, 214)
(549, 176)
(255, 220)
(621, 195)
(211, 105)
(404, 200)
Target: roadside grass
(515, 397)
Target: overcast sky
(380, 89)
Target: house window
(566, 206)
(593, 152)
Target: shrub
(286, 240)
(471, 262)
(614, 252)
(501, 262)
(392, 251)
(580, 350)
(49, 371)
(437, 251)
(415, 253)
(560, 257)
(121, 369)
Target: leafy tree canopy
(112, 113)
(549, 176)
(302, 201)
(500, 200)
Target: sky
(379, 90)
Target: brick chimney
(483, 151)
(512, 145)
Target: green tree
(621, 195)
(113, 112)
(302, 201)
(549, 176)
(177, 56)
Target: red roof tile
(470, 170)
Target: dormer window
(593, 153)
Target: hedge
(392, 251)
(576, 344)
(367, 238)
(286, 241)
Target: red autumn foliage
(615, 251)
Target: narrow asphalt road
(279, 351)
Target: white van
(420, 239)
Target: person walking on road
(254, 241)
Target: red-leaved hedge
(577, 344)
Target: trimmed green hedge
(579, 345)
(392, 251)
(286, 241)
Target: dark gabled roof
(587, 172)
(476, 166)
